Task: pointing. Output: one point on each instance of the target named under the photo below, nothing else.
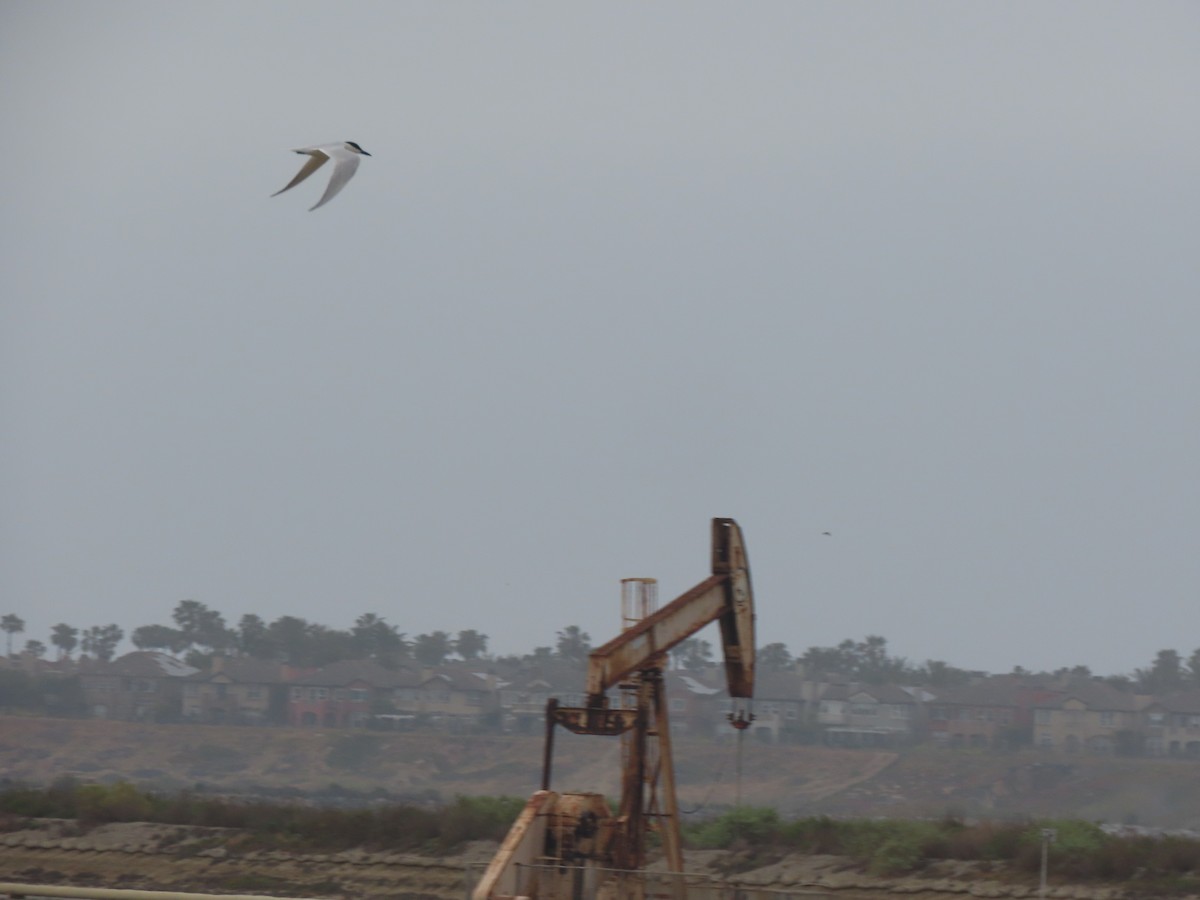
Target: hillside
(921, 781)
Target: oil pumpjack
(571, 845)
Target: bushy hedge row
(398, 826)
(1082, 850)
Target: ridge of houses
(1079, 715)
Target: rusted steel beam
(658, 633)
(601, 720)
(523, 846)
(726, 596)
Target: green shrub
(756, 825)
(996, 841)
(1076, 851)
(475, 818)
(820, 835)
(896, 855)
(862, 838)
(120, 802)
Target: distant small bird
(345, 162)
(827, 533)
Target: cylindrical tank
(639, 598)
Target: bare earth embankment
(164, 857)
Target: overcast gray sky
(923, 275)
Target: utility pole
(1049, 836)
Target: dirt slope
(406, 764)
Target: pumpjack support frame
(559, 835)
(636, 659)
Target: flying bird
(345, 162)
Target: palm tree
(1193, 668)
(774, 657)
(1165, 675)
(573, 644)
(65, 638)
(374, 637)
(101, 641)
(12, 624)
(694, 654)
(254, 639)
(470, 644)
(203, 626)
(432, 649)
(158, 637)
(290, 634)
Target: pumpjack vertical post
(630, 850)
(548, 744)
(669, 822)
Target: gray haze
(922, 275)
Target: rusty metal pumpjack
(577, 830)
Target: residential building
(697, 702)
(993, 712)
(450, 697)
(867, 715)
(1089, 716)
(144, 685)
(779, 705)
(239, 691)
(340, 695)
(1172, 725)
(524, 692)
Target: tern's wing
(316, 159)
(344, 166)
